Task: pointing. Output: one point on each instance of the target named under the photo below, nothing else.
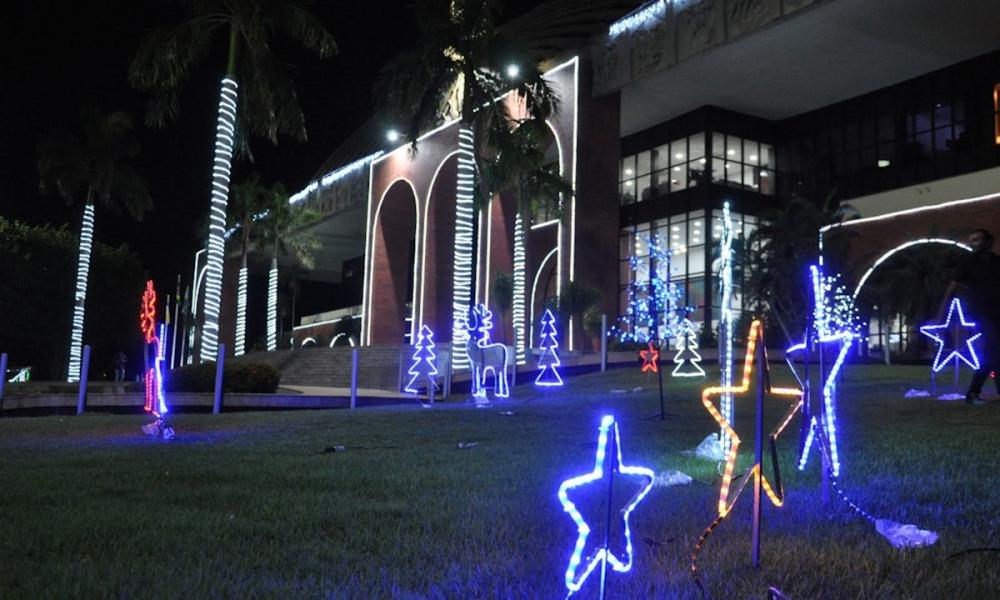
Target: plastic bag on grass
(905, 536)
(709, 449)
(671, 477)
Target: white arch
(531, 300)
(899, 248)
(350, 340)
(306, 342)
(367, 323)
(423, 244)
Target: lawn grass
(248, 505)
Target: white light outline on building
(221, 169)
(306, 341)
(899, 248)
(241, 313)
(350, 340)
(545, 224)
(333, 176)
(638, 18)
(427, 218)
(371, 253)
(80, 296)
(272, 307)
(907, 211)
(531, 300)
(572, 225)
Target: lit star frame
(575, 577)
(777, 498)
(650, 359)
(932, 331)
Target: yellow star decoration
(706, 398)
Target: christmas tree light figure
(687, 357)
(548, 375)
(423, 364)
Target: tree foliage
(39, 267)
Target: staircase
(378, 366)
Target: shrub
(243, 377)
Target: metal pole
(177, 323)
(826, 464)
(604, 342)
(354, 378)
(219, 364)
(612, 452)
(3, 376)
(761, 359)
(806, 424)
(81, 400)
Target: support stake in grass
(3, 376)
(219, 364)
(81, 400)
(354, 378)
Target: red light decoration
(650, 359)
(147, 325)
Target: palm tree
(248, 207)
(517, 164)
(90, 166)
(270, 105)
(461, 55)
(282, 230)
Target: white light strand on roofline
(333, 177)
(638, 18)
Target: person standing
(976, 279)
(120, 361)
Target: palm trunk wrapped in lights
(464, 234)
(224, 140)
(272, 306)
(80, 298)
(520, 289)
(241, 311)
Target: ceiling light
(753, 157)
(763, 173)
(882, 163)
(392, 135)
(679, 156)
(675, 228)
(628, 171)
(677, 168)
(703, 161)
(731, 152)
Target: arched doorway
(439, 247)
(393, 265)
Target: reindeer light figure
(484, 356)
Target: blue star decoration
(580, 565)
(968, 332)
(841, 342)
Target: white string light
(726, 326)
(272, 307)
(225, 135)
(80, 298)
(464, 215)
(520, 285)
(241, 313)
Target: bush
(243, 377)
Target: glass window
(734, 148)
(696, 231)
(661, 157)
(766, 182)
(642, 163)
(718, 145)
(678, 151)
(678, 177)
(628, 168)
(643, 189)
(697, 146)
(678, 234)
(627, 191)
(696, 260)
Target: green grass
(247, 505)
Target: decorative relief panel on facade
(790, 6)
(700, 26)
(743, 16)
(349, 191)
(653, 39)
(653, 47)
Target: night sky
(61, 55)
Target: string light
(154, 400)
(333, 177)
(639, 18)
(776, 498)
(464, 216)
(941, 359)
(687, 344)
(650, 359)
(520, 285)
(423, 366)
(726, 323)
(225, 135)
(548, 361)
(241, 313)
(486, 357)
(575, 576)
(651, 312)
(272, 307)
(80, 298)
